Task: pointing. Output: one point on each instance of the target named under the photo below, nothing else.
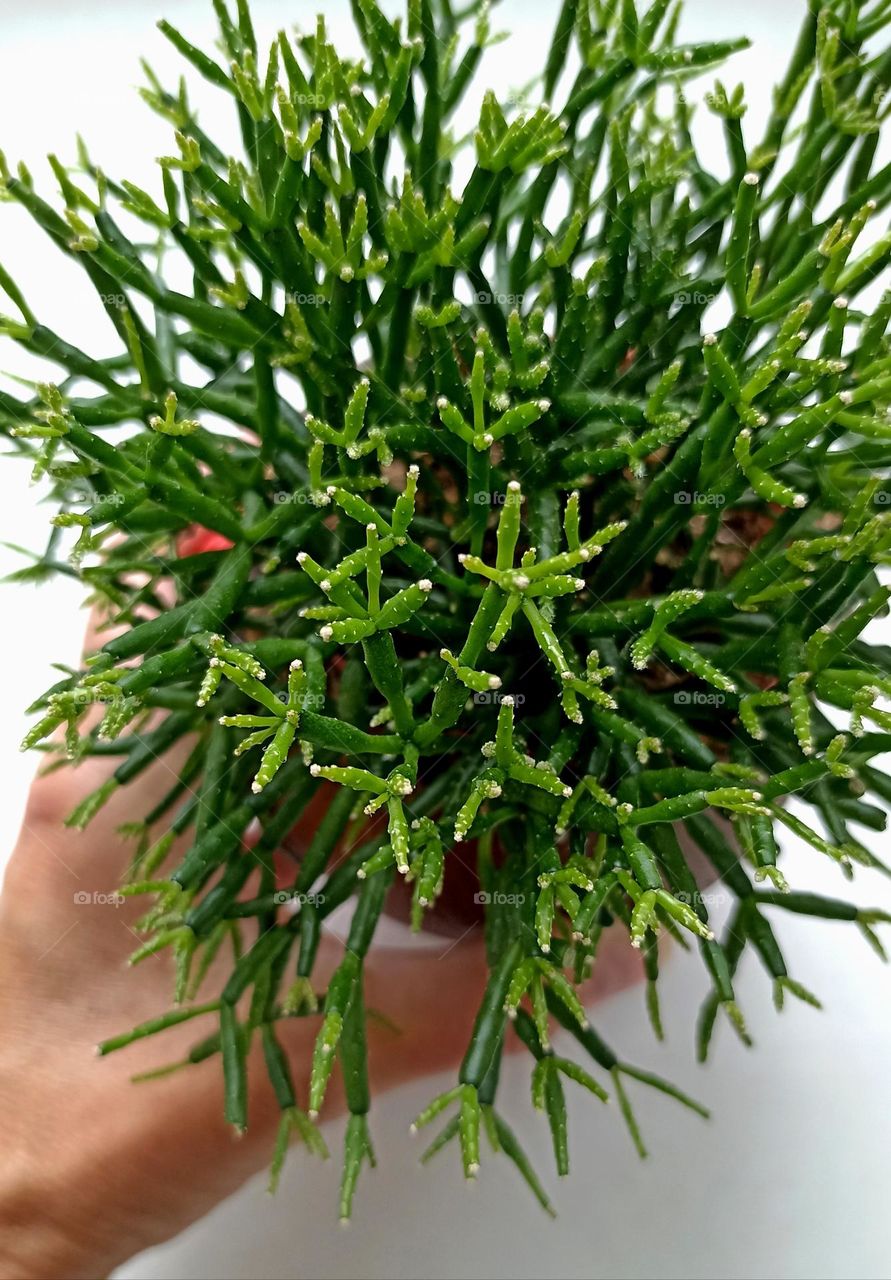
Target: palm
(64, 986)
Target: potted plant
(437, 525)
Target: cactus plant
(433, 494)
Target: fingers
(55, 793)
(97, 631)
(429, 999)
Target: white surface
(791, 1177)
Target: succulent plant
(431, 494)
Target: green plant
(480, 438)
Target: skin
(96, 1168)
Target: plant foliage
(499, 546)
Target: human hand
(96, 1167)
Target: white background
(791, 1177)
